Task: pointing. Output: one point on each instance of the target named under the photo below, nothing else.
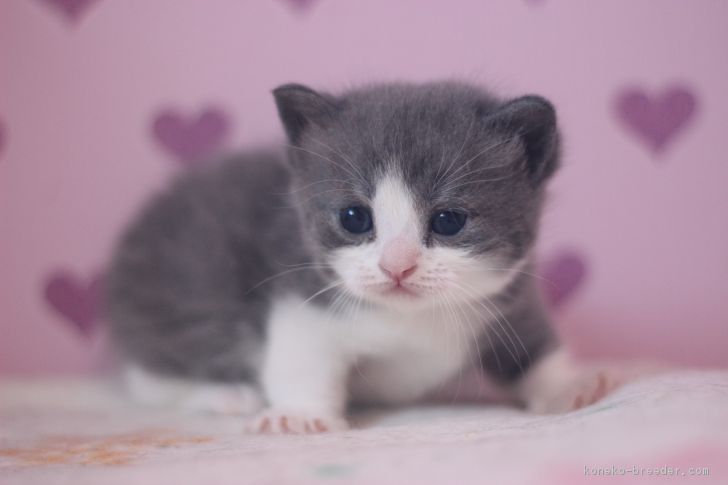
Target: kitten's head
(419, 194)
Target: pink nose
(398, 274)
(399, 260)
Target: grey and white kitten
(389, 250)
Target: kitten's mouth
(393, 290)
(400, 290)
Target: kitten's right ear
(300, 106)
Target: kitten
(389, 250)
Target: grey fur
(193, 278)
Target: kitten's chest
(399, 358)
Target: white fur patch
(304, 367)
(198, 396)
(383, 355)
(394, 211)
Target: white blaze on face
(394, 209)
(398, 255)
(398, 229)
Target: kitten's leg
(558, 384)
(304, 372)
(541, 373)
(197, 396)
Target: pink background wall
(636, 234)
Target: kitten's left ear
(533, 119)
(299, 107)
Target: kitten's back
(181, 291)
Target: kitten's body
(242, 273)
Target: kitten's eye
(448, 223)
(356, 220)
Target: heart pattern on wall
(193, 139)
(656, 119)
(2, 137)
(71, 10)
(563, 274)
(300, 5)
(77, 300)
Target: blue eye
(356, 220)
(448, 223)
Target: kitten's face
(419, 195)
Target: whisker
(484, 151)
(469, 173)
(476, 343)
(324, 290)
(275, 276)
(463, 267)
(512, 330)
(344, 157)
(457, 156)
(510, 348)
(299, 189)
(453, 310)
(479, 181)
(507, 329)
(465, 320)
(355, 303)
(493, 147)
(311, 152)
(306, 264)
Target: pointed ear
(533, 119)
(300, 106)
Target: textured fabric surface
(82, 432)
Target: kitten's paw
(587, 390)
(558, 384)
(591, 390)
(274, 421)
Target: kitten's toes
(584, 392)
(284, 422)
(593, 390)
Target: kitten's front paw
(591, 390)
(274, 421)
(586, 390)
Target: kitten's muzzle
(398, 274)
(399, 259)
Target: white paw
(591, 389)
(283, 422)
(584, 391)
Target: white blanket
(667, 429)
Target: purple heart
(562, 274)
(76, 300)
(192, 140)
(2, 137)
(72, 10)
(656, 119)
(300, 5)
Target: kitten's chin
(398, 297)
